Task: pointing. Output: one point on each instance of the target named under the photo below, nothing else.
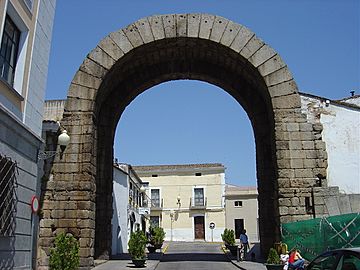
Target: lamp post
(63, 141)
(172, 215)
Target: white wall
(341, 134)
(120, 216)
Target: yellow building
(186, 200)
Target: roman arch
(289, 152)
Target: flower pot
(233, 249)
(274, 266)
(139, 262)
(151, 249)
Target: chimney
(352, 93)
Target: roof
(233, 190)
(346, 102)
(179, 168)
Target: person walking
(244, 242)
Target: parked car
(337, 259)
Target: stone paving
(123, 262)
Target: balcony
(157, 204)
(198, 203)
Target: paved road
(195, 256)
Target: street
(194, 255)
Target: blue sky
(183, 122)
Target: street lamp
(172, 215)
(63, 141)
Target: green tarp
(314, 236)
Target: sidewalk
(244, 265)
(124, 262)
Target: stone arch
(210, 48)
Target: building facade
(186, 200)
(340, 120)
(25, 32)
(241, 211)
(129, 213)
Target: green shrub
(137, 245)
(65, 254)
(273, 257)
(157, 235)
(228, 237)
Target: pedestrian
(295, 260)
(244, 242)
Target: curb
(227, 255)
(162, 254)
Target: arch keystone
(181, 25)
(206, 25)
(169, 25)
(193, 25)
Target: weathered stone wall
(290, 153)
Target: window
(238, 203)
(8, 171)
(198, 196)
(325, 262)
(9, 50)
(155, 197)
(349, 261)
(29, 4)
(154, 221)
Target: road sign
(34, 204)
(212, 225)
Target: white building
(341, 133)
(187, 200)
(25, 33)
(128, 201)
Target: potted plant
(156, 238)
(273, 261)
(137, 245)
(229, 240)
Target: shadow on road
(178, 257)
(126, 256)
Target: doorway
(199, 228)
(239, 227)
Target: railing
(198, 203)
(157, 204)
